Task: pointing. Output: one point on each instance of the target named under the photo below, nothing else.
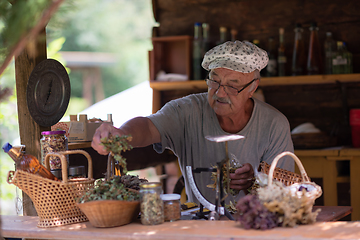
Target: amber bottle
(314, 62)
(27, 162)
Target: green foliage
(117, 144)
(17, 18)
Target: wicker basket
(110, 213)
(286, 177)
(313, 190)
(55, 202)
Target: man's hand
(104, 130)
(243, 177)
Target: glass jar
(76, 172)
(172, 211)
(152, 206)
(53, 141)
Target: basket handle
(64, 166)
(297, 161)
(10, 177)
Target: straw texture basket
(54, 201)
(110, 213)
(292, 182)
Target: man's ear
(253, 87)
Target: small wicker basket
(55, 202)
(110, 213)
(292, 182)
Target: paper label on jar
(76, 127)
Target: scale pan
(224, 138)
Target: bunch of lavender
(251, 213)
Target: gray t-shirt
(183, 124)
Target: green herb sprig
(117, 144)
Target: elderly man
(227, 108)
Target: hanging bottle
(197, 54)
(272, 64)
(330, 50)
(281, 53)
(314, 61)
(298, 58)
(27, 162)
(205, 46)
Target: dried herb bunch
(112, 189)
(117, 144)
(129, 181)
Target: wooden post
(30, 131)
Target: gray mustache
(220, 99)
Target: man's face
(225, 104)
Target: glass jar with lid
(53, 141)
(151, 206)
(172, 210)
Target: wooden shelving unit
(265, 81)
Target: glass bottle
(151, 205)
(205, 46)
(298, 58)
(339, 61)
(349, 59)
(197, 54)
(233, 33)
(27, 162)
(281, 53)
(330, 50)
(53, 141)
(223, 35)
(314, 61)
(272, 64)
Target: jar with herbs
(53, 141)
(172, 210)
(151, 206)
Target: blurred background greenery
(120, 27)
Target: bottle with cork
(27, 162)
(298, 66)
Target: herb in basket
(117, 144)
(112, 189)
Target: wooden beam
(30, 131)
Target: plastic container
(53, 141)
(151, 205)
(355, 127)
(172, 210)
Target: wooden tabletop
(25, 227)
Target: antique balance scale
(217, 209)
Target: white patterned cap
(239, 56)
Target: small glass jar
(172, 210)
(77, 172)
(53, 141)
(152, 206)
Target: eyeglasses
(228, 89)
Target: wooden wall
(325, 105)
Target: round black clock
(48, 92)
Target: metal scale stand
(218, 208)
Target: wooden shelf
(265, 81)
(79, 145)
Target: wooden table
(26, 227)
(322, 164)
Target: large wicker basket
(55, 201)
